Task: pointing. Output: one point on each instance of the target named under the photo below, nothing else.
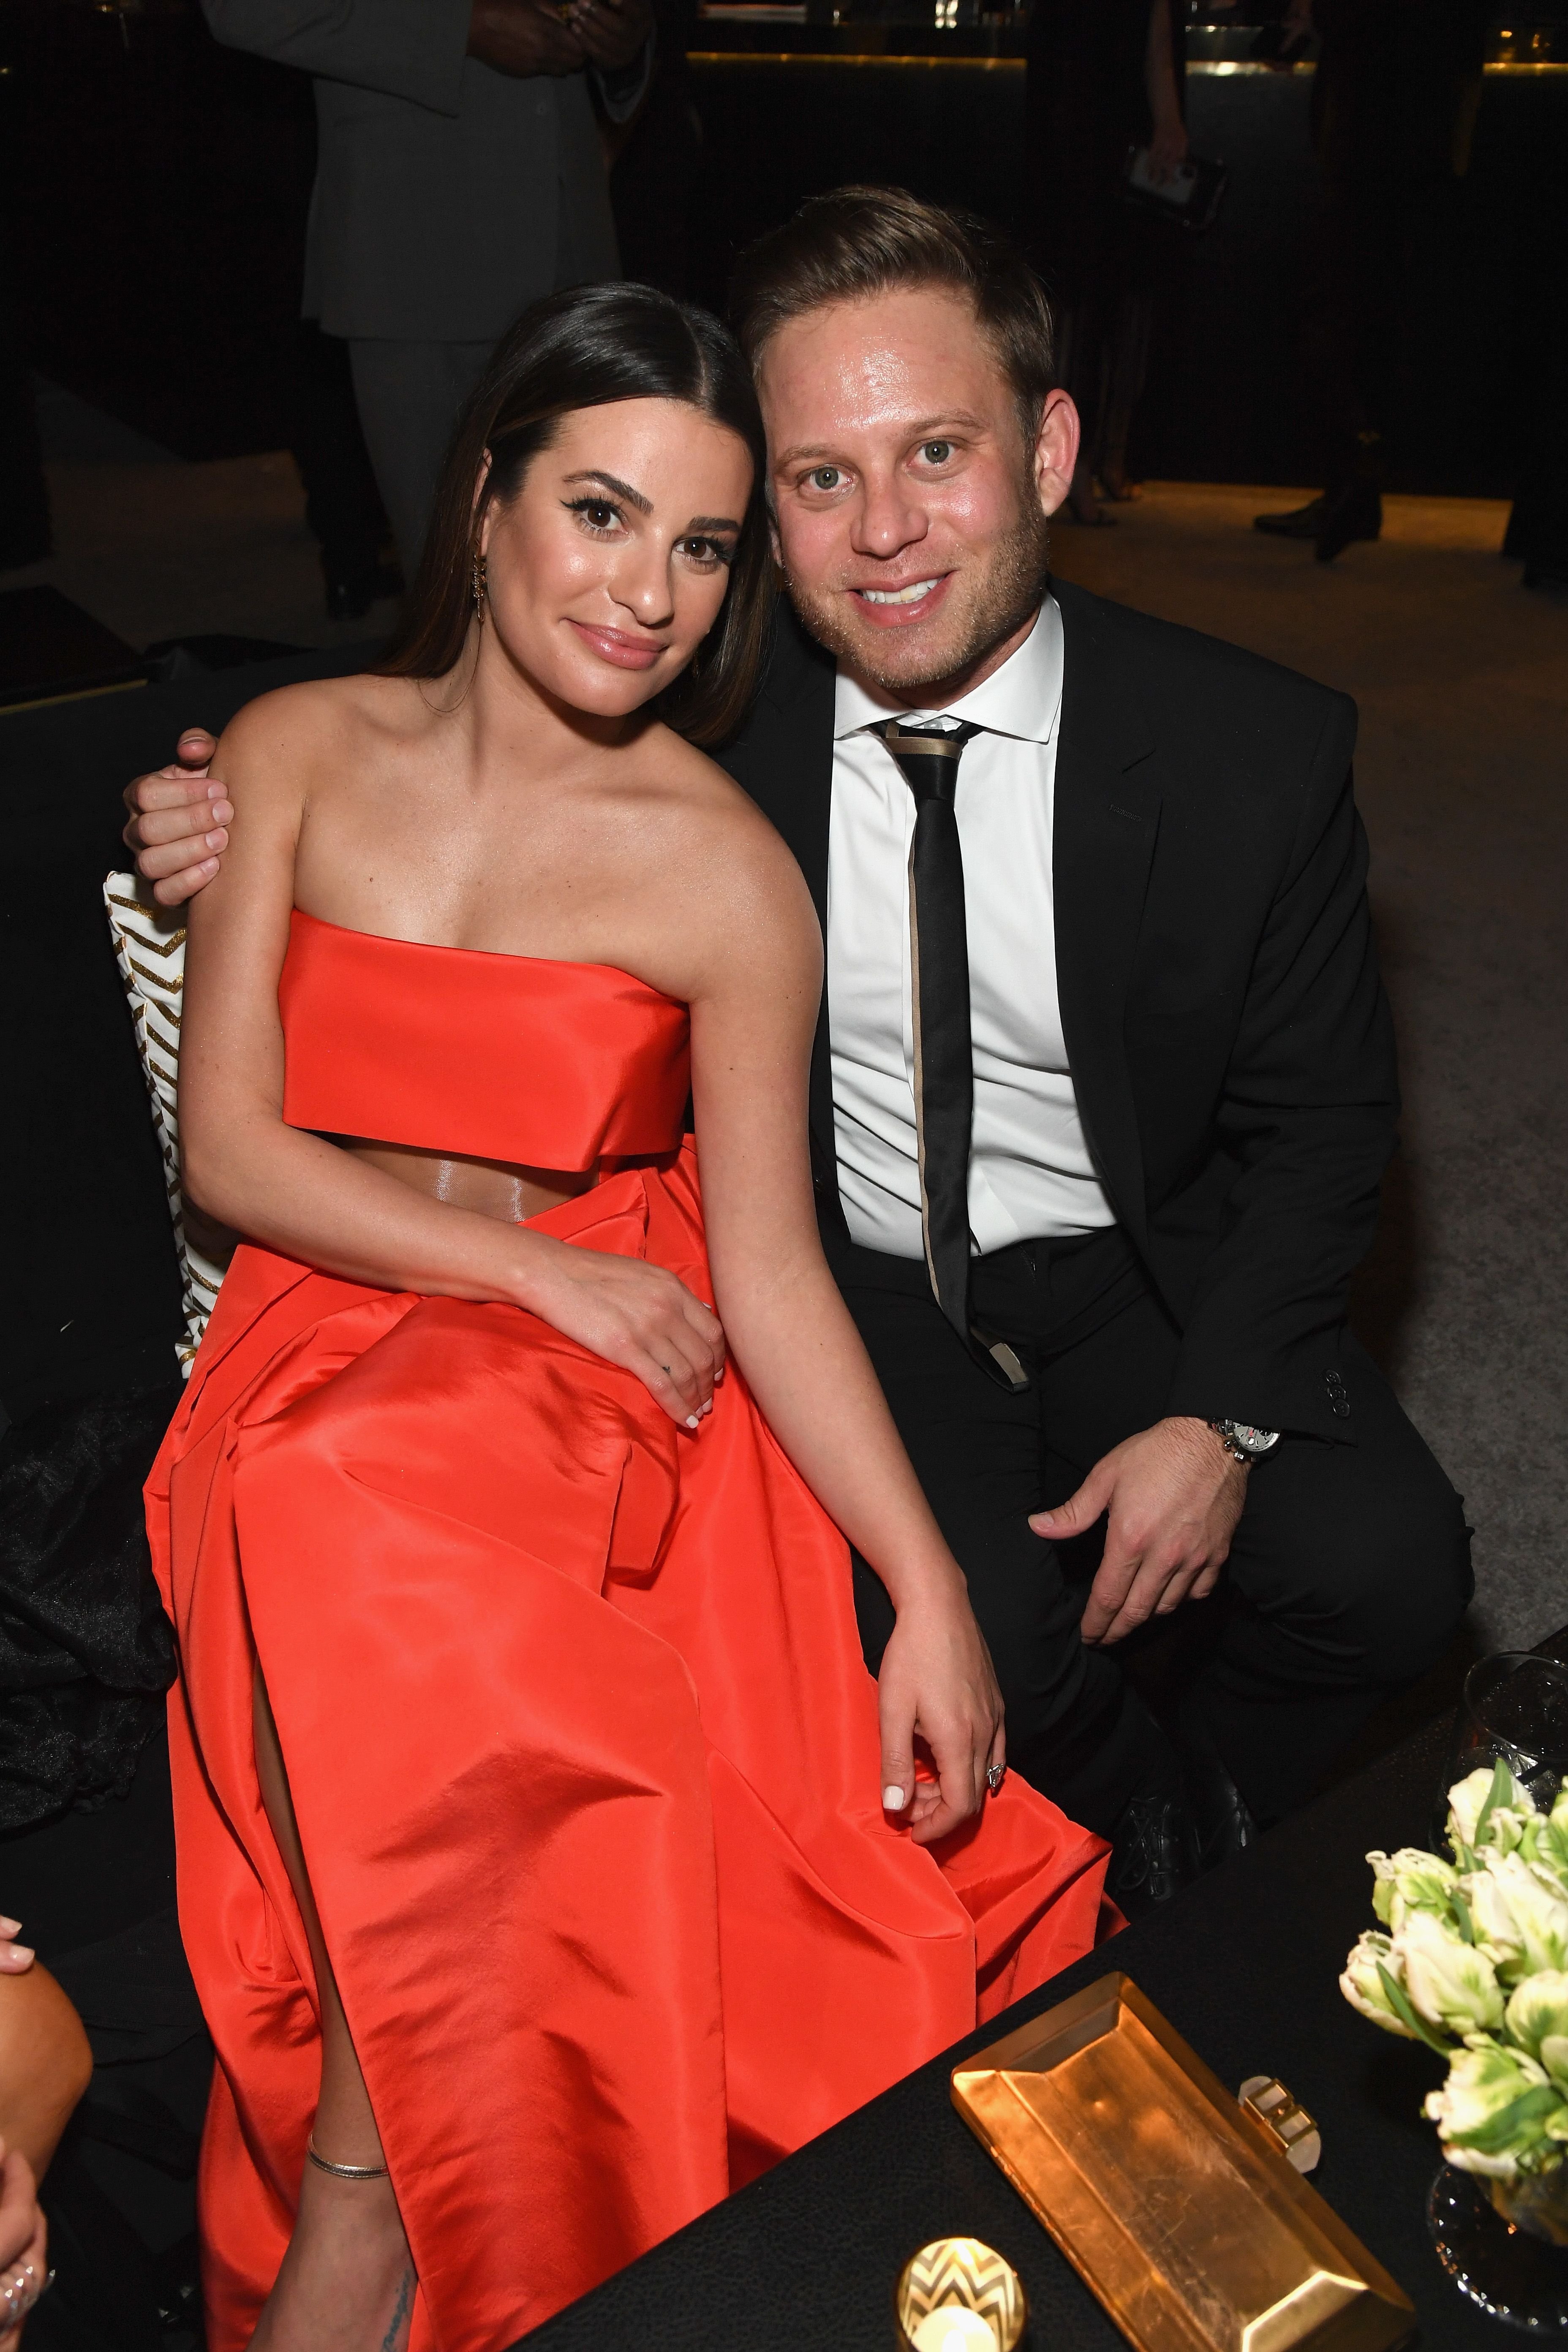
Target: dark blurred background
(157, 187)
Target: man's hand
(179, 822)
(613, 32)
(1173, 1496)
(521, 38)
(937, 1682)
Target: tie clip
(945, 746)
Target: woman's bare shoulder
(703, 798)
(726, 869)
(296, 734)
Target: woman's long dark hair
(584, 350)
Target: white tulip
(1364, 1988)
(1411, 1881)
(1490, 2112)
(1496, 1930)
(1538, 1908)
(1505, 1822)
(1451, 1984)
(1549, 1847)
(1537, 2020)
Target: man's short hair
(853, 244)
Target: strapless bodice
(493, 1057)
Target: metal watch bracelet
(1243, 1442)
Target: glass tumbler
(1514, 1708)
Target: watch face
(1254, 1441)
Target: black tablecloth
(1244, 1964)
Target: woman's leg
(347, 2281)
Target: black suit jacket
(1229, 1036)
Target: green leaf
(1462, 1913)
(1399, 2001)
(1500, 1792)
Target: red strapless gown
(583, 1748)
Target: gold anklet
(344, 2171)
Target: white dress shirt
(1030, 1173)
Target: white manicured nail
(893, 1798)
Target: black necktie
(944, 1054)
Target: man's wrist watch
(1243, 1442)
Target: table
(1244, 1964)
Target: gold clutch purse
(1176, 2204)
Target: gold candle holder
(958, 2296)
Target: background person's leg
(408, 395)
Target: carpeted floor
(1462, 774)
(155, 547)
(1462, 678)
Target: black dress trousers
(1348, 1572)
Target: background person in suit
(1104, 76)
(1174, 1088)
(460, 176)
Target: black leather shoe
(1353, 510)
(1221, 1825)
(1300, 522)
(1153, 1855)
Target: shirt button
(1338, 1402)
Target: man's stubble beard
(1011, 589)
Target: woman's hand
(24, 2270)
(16, 1959)
(1167, 149)
(635, 1314)
(937, 1680)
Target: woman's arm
(753, 1012)
(305, 1197)
(45, 2065)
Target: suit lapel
(1107, 817)
(784, 760)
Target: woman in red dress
(549, 1862)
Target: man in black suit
(1104, 1083)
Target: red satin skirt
(584, 1758)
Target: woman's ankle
(347, 2283)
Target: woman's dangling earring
(479, 581)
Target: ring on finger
(994, 1774)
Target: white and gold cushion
(150, 948)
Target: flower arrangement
(1475, 1962)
